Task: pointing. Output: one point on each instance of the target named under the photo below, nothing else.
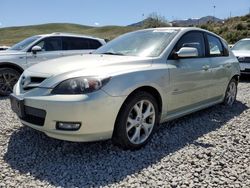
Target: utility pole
(214, 13)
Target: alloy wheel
(231, 93)
(7, 82)
(140, 121)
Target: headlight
(80, 85)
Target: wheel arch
(149, 89)
(236, 77)
(12, 66)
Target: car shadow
(3, 98)
(245, 78)
(69, 164)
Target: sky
(113, 12)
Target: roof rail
(74, 34)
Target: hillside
(231, 29)
(11, 35)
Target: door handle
(205, 67)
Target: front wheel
(136, 121)
(8, 79)
(231, 92)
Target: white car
(39, 48)
(242, 51)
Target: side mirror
(36, 49)
(187, 52)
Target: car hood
(88, 62)
(240, 53)
(86, 65)
(10, 52)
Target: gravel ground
(210, 148)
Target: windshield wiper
(112, 53)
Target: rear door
(190, 78)
(220, 66)
(51, 49)
(79, 45)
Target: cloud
(96, 24)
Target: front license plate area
(17, 105)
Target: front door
(190, 78)
(51, 49)
(220, 65)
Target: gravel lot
(210, 148)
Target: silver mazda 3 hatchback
(127, 87)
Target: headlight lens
(80, 85)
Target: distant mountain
(196, 21)
(137, 24)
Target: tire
(8, 79)
(136, 121)
(231, 93)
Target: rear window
(94, 44)
(215, 46)
(73, 43)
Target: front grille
(34, 115)
(28, 83)
(37, 79)
(244, 59)
(245, 71)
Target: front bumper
(96, 112)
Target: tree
(154, 20)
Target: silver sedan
(242, 51)
(127, 87)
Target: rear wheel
(231, 92)
(136, 121)
(8, 79)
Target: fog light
(68, 126)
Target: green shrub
(240, 27)
(204, 27)
(154, 20)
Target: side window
(51, 44)
(73, 43)
(41, 44)
(214, 46)
(94, 44)
(192, 39)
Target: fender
(11, 65)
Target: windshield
(25, 43)
(147, 43)
(242, 45)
